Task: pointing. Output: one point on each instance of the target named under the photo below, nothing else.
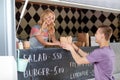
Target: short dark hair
(107, 31)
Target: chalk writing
(43, 71)
(36, 58)
(54, 64)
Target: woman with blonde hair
(43, 34)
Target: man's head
(103, 33)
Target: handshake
(67, 40)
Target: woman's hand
(44, 25)
(57, 43)
(51, 29)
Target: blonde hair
(43, 14)
(51, 26)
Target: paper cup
(26, 44)
(22, 65)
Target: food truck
(72, 18)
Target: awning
(100, 5)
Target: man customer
(102, 58)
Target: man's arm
(81, 52)
(78, 59)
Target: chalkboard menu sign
(54, 64)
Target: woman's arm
(51, 32)
(53, 38)
(43, 42)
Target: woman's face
(50, 18)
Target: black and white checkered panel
(91, 19)
(69, 20)
(119, 27)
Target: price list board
(54, 64)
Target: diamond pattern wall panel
(91, 19)
(118, 27)
(69, 20)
